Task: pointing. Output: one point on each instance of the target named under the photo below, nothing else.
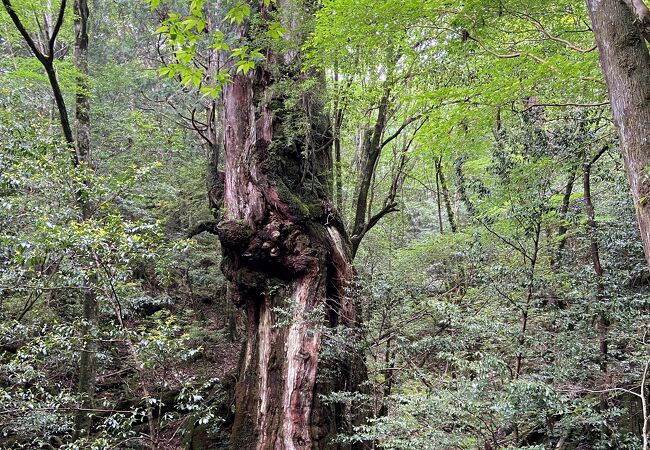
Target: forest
(325, 224)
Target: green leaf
(275, 30)
(200, 25)
(238, 12)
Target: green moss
(296, 206)
(316, 209)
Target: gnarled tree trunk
(286, 254)
(625, 62)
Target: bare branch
(568, 104)
(405, 124)
(503, 55)
(55, 31)
(545, 32)
(23, 31)
(600, 153)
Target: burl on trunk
(286, 253)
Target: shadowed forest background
(337, 224)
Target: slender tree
(87, 365)
(594, 251)
(79, 147)
(440, 173)
(374, 140)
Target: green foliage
(191, 35)
(488, 337)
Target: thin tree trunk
(338, 170)
(370, 152)
(389, 378)
(462, 188)
(87, 363)
(438, 200)
(525, 311)
(594, 251)
(591, 222)
(625, 61)
(445, 195)
(371, 145)
(79, 150)
(46, 58)
(214, 147)
(562, 229)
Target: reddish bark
(284, 247)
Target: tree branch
(55, 31)
(405, 124)
(569, 104)
(21, 28)
(355, 240)
(48, 64)
(209, 226)
(545, 32)
(503, 55)
(389, 203)
(596, 157)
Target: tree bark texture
(286, 254)
(445, 195)
(87, 362)
(563, 213)
(462, 188)
(594, 251)
(625, 62)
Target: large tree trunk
(625, 62)
(286, 255)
